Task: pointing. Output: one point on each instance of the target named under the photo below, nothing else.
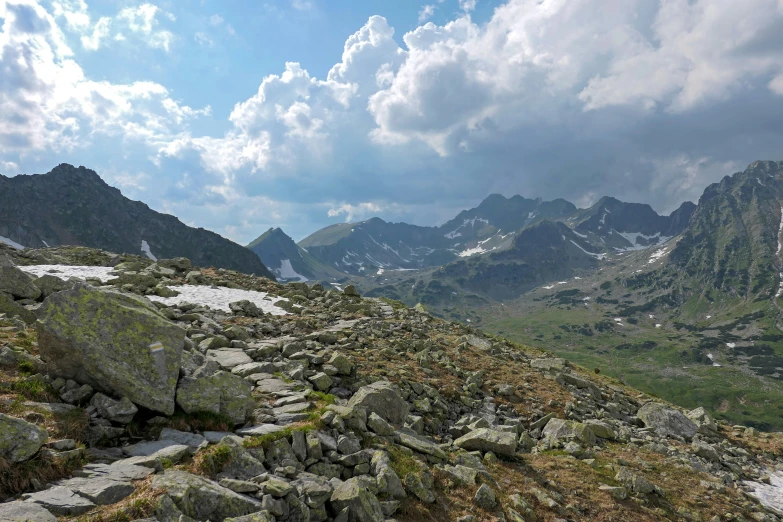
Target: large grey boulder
(382, 398)
(204, 499)
(361, 504)
(485, 439)
(560, 430)
(666, 421)
(210, 389)
(117, 343)
(19, 511)
(19, 440)
(15, 282)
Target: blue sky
(241, 115)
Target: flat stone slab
(261, 429)
(61, 501)
(55, 408)
(268, 383)
(193, 440)
(292, 408)
(19, 511)
(228, 358)
(214, 437)
(243, 370)
(100, 490)
(121, 471)
(421, 445)
(290, 399)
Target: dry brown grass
(43, 468)
(141, 504)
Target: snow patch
(11, 243)
(533, 214)
(658, 325)
(286, 271)
(454, 233)
(46, 244)
(731, 345)
(218, 298)
(66, 271)
(549, 287)
(770, 495)
(658, 254)
(145, 247)
(380, 271)
(597, 256)
(709, 355)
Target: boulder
(666, 421)
(703, 420)
(559, 430)
(121, 411)
(343, 364)
(49, 284)
(382, 398)
(15, 282)
(117, 343)
(19, 439)
(485, 439)
(204, 499)
(11, 309)
(210, 389)
(360, 503)
(485, 497)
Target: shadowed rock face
(115, 342)
(74, 206)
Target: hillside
(288, 261)
(74, 206)
(273, 402)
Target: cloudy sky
(237, 116)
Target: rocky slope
(130, 399)
(288, 261)
(74, 206)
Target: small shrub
(26, 368)
(597, 370)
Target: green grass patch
(326, 398)
(401, 462)
(264, 441)
(211, 461)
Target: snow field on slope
(216, 298)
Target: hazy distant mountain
(288, 261)
(74, 206)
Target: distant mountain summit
(374, 246)
(288, 261)
(74, 206)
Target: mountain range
(74, 206)
(684, 305)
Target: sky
(240, 115)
